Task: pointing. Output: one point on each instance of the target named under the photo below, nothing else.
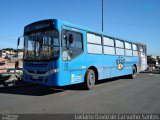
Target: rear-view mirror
(18, 41)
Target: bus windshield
(41, 46)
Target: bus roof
(94, 31)
(65, 23)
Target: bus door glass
(72, 49)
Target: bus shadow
(79, 87)
(112, 79)
(40, 90)
(73, 87)
(32, 90)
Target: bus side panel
(96, 61)
(106, 72)
(110, 69)
(129, 62)
(111, 65)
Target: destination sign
(38, 26)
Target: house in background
(7, 53)
(20, 55)
(10, 53)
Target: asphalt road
(118, 95)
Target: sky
(133, 20)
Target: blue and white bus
(59, 53)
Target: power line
(10, 36)
(145, 26)
(133, 24)
(1, 39)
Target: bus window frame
(120, 47)
(100, 35)
(109, 45)
(63, 48)
(135, 50)
(128, 48)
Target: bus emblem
(120, 63)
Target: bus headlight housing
(53, 71)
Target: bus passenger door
(73, 55)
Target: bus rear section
(142, 57)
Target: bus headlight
(53, 71)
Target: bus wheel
(134, 71)
(89, 79)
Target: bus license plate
(35, 77)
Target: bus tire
(134, 71)
(89, 79)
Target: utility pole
(102, 14)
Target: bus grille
(37, 72)
(36, 65)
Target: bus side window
(94, 43)
(119, 47)
(128, 49)
(109, 46)
(135, 49)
